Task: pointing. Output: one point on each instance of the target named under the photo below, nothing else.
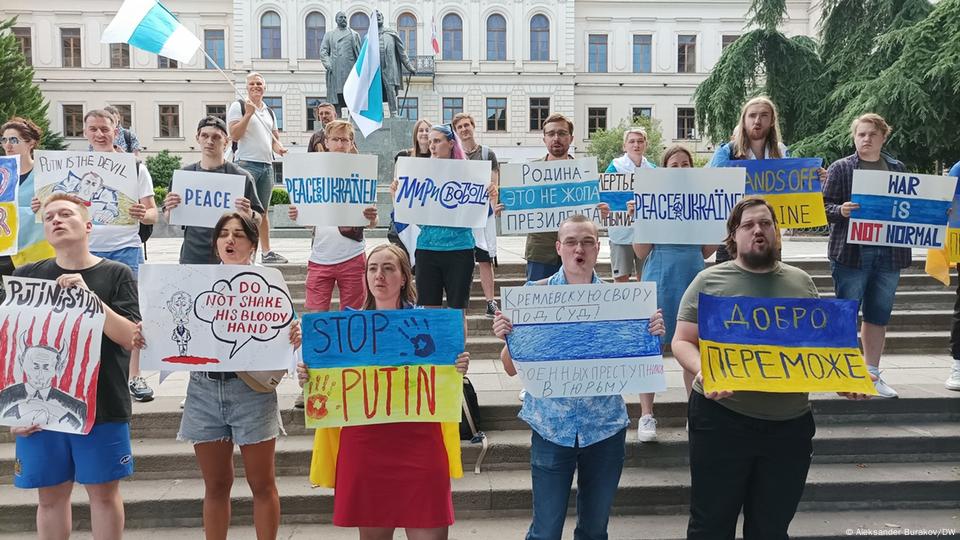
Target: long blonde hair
(741, 140)
(408, 293)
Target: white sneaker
(953, 382)
(647, 429)
(883, 389)
(523, 394)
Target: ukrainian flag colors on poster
(780, 345)
(378, 367)
(953, 228)
(791, 186)
(9, 213)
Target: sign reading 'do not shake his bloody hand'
(584, 340)
(446, 192)
(780, 345)
(538, 195)
(791, 186)
(379, 367)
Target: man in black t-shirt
(52, 461)
(198, 242)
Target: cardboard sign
(330, 188)
(685, 206)
(49, 355)
(447, 192)
(9, 200)
(208, 317)
(106, 180)
(791, 186)
(584, 340)
(205, 197)
(380, 367)
(780, 345)
(900, 209)
(616, 189)
(538, 195)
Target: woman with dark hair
(387, 476)
(20, 137)
(420, 148)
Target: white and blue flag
(147, 25)
(363, 90)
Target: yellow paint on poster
(798, 210)
(953, 245)
(9, 228)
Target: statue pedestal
(395, 135)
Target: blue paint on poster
(616, 199)
(550, 195)
(781, 176)
(584, 340)
(900, 209)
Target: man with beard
(748, 450)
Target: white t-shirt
(114, 237)
(257, 142)
(331, 247)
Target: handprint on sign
(318, 395)
(423, 344)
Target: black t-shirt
(114, 285)
(197, 247)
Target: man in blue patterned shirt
(569, 434)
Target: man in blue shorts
(52, 461)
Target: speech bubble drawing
(244, 308)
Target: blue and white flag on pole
(147, 25)
(363, 90)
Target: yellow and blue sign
(9, 213)
(792, 186)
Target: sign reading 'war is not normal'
(900, 209)
(791, 186)
(538, 195)
(446, 192)
(780, 345)
(204, 197)
(584, 340)
(329, 188)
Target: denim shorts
(262, 174)
(228, 410)
(49, 458)
(872, 285)
(130, 256)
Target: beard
(762, 258)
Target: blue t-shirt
(439, 238)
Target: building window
(642, 53)
(166, 63)
(452, 106)
(360, 23)
(311, 103)
(70, 47)
(727, 40)
(316, 27)
(496, 37)
(686, 123)
(215, 44)
(596, 119)
(218, 111)
(496, 114)
(270, 35)
(119, 55)
(409, 108)
(687, 54)
(407, 27)
(539, 111)
(73, 120)
(642, 112)
(170, 121)
(25, 42)
(452, 37)
(126, 113)
(597, 53)
(276, 105)
(539, 39)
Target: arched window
(360, 23)
(452, 37)
(496, 37)
(539, 38)
(407, 26)
(316, 26)
(270, 35)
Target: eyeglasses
(339, 140)
(560, 134)
(587, 243)
(11, 140)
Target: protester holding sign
(20, 137)
(53, 461)
(403, 234)
(867, 274)
(393, 474)
(623, 261)
(570, 434)
(953, 382)
(749, 451)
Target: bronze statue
(338, 53)
(393, 59)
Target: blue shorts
(50, 458)
(228, 410)
(130, 256)
(263, 181)
(872, 285)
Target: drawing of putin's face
(40, 365)
(89, 185)
(180, 305)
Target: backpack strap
(478, 436)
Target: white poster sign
(447, 192)
(106, 180)
(331, 189)
(204, 197)
(538, 195)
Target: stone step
(493, 494)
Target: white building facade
(510, 63)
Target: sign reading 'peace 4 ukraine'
(791, 186)
(780, 345)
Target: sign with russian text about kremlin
(447, 192)
(791, 186)
(780, 345)
(330, 188)
(204, 197)
(538, 195)
(900, 209)
(380, 367)
(584, 340)
(685, 206)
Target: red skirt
(393, 475)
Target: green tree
(20, 97)
(161, 167)
(608, 144)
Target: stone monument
(338, 54)
(393, 59)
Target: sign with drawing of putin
(107, 182)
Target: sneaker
(523, 394)
(883, 389)
(183, 402)
(953, 383)
(139, 390)
(272, 257)
(647, 429)
(492, 308)
(298, 403)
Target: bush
(161, 167)
(279, 196)
(160, 195)
(608, 144)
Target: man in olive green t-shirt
(748, 450)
